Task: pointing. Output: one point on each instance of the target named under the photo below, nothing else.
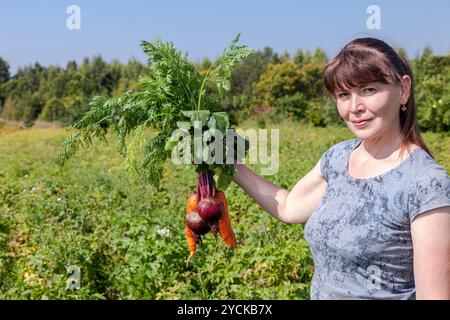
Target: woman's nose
(356, 104)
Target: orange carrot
(191, 203)
(190, 237)
(225, 230)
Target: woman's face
(373, 110)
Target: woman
(376, 207)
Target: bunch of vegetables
(207, 210)
(171, 98)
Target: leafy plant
(171, 87)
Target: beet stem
(206, 186)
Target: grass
(90, 214)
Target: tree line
(267, 86)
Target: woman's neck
(384, 147)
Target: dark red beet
(196, 223)
(210, 209)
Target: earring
(403, 108)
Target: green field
(90, 214)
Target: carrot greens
(173, 93)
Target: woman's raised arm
(290, 207)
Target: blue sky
(35, 30)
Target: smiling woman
(376, 208)
(371, 82)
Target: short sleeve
(334, 158)
(430, 191)
(325, 163)
(323, 168)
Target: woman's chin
(362, 134)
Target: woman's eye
(342, 95)
(369, 90)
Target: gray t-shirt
(360, 234)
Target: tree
(24, 102)
(278, 81)
(129, 75)
(311, 76)
(4, 76)
(402, 52)
(319, 57)
(26, 108)
(71, 66)
(53, 110)
(295, 87)
(246, 74)
(289, 78)
(432, 94)
(4, 71)
(292, 85)
(301, 58)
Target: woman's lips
(362, 124)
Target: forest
(266, 86)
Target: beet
(210, 209)
(196, 223)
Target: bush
(319, 112)
(433, 101)
(237, 107)
(329, 111)
(314, 114)
(432, 93)
(294, 106)
(278, 81)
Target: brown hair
(367, 60)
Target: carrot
(191, 203)
(225, 230)
(190, 237)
